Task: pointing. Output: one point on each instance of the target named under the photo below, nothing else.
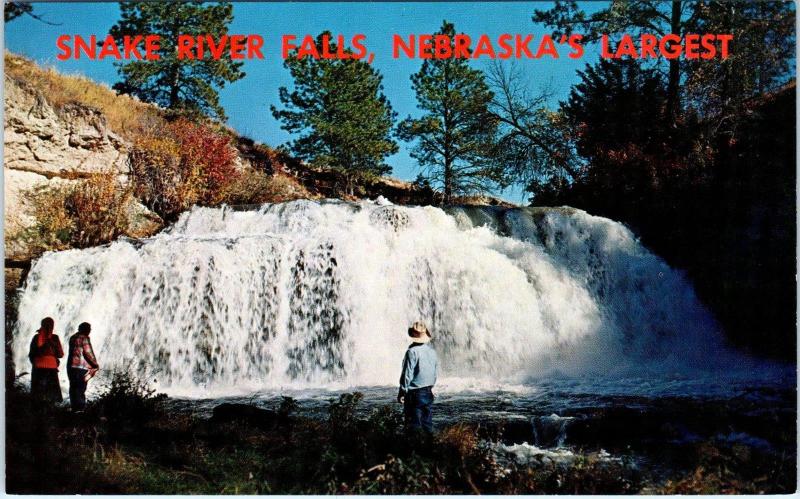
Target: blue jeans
(418, 409)
(77, 388)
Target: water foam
(319, 294)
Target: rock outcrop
(45, 146)
(69, 143)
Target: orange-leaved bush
(77, 214)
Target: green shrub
(287, 407)
(128, 403)
(411, 475)
(342, 412)
(386, 426)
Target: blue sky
(247, 101)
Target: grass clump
(76, 214)
(734, 469)
(125, 115)
(256, 187)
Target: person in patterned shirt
(81, 366)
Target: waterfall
(320, 294)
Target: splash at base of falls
(319, 294)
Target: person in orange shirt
(44, 354)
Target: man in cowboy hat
(417, 379)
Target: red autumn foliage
(209, 153)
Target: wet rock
(246, 414)
(390, 216)
(517, 431)
(550, 431)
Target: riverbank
(131, 440)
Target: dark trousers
(77, 388)
(45, 385)
(418, 409)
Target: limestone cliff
(47, 146)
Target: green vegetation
(185, 85)
(129, 441)
(624, 18)
(455, 138)
(762, 54)
(338, 113)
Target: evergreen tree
(762, 47)
(762, 58)
(338, 109)
(178, 84)
(656, 17)
(617, 117)
(14, 10)
(455, 137)
(616, 103)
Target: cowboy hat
(419, 332)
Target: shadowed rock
(243, 413)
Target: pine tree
(616, 103)
(339, 112)
(14, 10)
(762, 52)
(658, 17)
(179, 84)
(455, 137)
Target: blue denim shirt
(419, 367)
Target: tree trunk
(448, 182)
(173, 91)
(674, 82)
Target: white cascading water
(320, 294)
